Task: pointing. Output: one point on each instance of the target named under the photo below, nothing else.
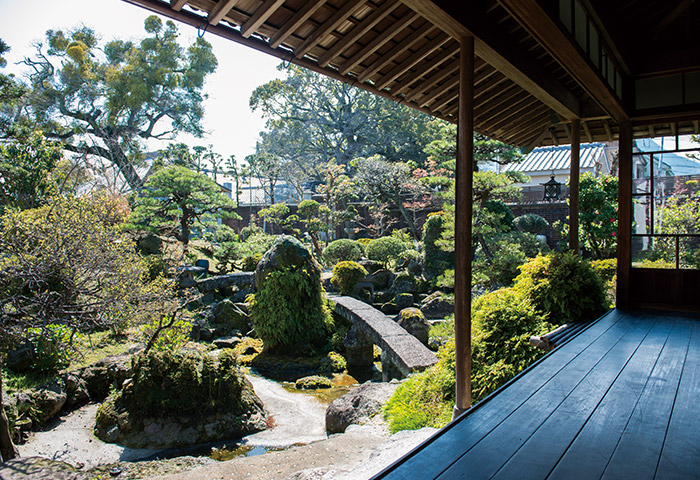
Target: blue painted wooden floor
(621, 400)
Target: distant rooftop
(548, 159)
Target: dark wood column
(574, 174)
(463, 226)
(624, 214)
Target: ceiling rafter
(333, 22)
(378, 42)
(295, 22)
(449, 83)
(412, 60)
(426, 68)
(177, 4)
(356, 33)
(221, 8)
(386, 58)
(437, 78)
(262, 13)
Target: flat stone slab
(405, 350)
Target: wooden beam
(463, 228)
(425, 69)
(177, 4)
(262, 13)
(607, 130)
(672, 15)
(574, 174)
(587, 130)
(356, 33)
(439, 91)
(295, 21)
(532, 16)
(412, 60)
(219, 11)
(333, 22)
(535, 142)
(459, 19)
(529, 103)
(379, 41)
(624, 215)
(388, 57)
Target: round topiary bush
(564, 286)
(342, 249)
(346, 275)
(386, 249)
(530, 223)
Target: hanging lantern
(552, 190)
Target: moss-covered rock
(313, 382)
(176, 399)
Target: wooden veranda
(528, 72)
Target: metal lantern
(552, 189)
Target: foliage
(175, 198)
(607, 270)
(51, 347)
(106, 100)
(27, 166)
(69, 264)
(502, 323)
(174, 336)
(679, 214)
(250, 262)
(346, 274)
(243, 255)
(435, 260)
(386, 249)
(562, 286)
(167, 383)
(290, 310)
(597, 215)
(508, 251)
(342, 249)
(530, 223)
(389, 183)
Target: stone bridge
(402, 353)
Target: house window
(666, 203)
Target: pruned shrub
(346, 275)
(290, 310)
(435, 259)
(386, 249)
(530, 223)
(249, 263)
(342, 249)
(562, 286)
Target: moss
(346, 274)
(313, 382)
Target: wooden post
(574, 184)
(463, 227)
(624, 214)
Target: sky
(232, 127)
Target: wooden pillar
(463, 226)
(624, 214)
(574, 184)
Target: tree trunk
(409, 221)
(8, 451)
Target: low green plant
(346, 275)
(249, 263)
(562, 286)
(386, 249)
(342, 249)
(51, 347)
(172, 338)
(290, 310)
(530, 223)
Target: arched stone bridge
(402, 353)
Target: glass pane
(641, 171)
(653, 252)
(594, 48)
(692, 87)
(659, 91)
(581, 26)
(690, 252)
(565, 13)
(656, 144)
(677, 194)
(641, 215)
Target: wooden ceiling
(407, 50)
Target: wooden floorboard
(590, 452)
(618, 401)
(490, 453)
(460, 436)
(681, 451)
(637, 453)
(539, 454)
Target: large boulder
(438, 305)
(413, 321)
(238, 279)
(48, 401)
(357, 406)
(225, 313)
(286, 253)
(20, 359)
